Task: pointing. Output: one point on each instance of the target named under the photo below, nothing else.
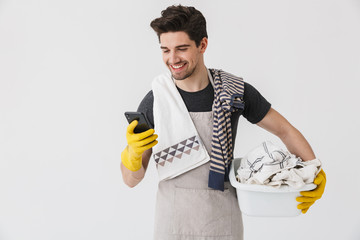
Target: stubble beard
(186, 75)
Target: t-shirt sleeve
(256, 106)
(146, 106)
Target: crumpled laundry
(270, 165)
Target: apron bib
(187, 209)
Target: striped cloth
(228, 98)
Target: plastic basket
(266, 201)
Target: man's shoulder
(225, 73)
(149, 96)
(147, 102)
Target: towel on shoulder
(270, 165)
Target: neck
(196, 82)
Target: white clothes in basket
(270, 165)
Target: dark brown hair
(181, 18)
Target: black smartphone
(143, 122)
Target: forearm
(132, 178)
(296, 143)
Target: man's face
(180, 54)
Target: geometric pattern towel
(175, 152)
(179, 148)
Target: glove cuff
(131, 163)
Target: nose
(173, 58)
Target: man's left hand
(308, 198)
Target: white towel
(270, 165)
(179, 147)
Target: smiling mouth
(178, 67)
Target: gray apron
(187, 209)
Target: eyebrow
(180, 46)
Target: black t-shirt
(256, 106)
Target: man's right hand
(131, 157)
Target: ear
(203, 45)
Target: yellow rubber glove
(308, 198)
(131, 157)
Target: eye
(165, 51)
(182, 49)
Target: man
(199, 108)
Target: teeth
(178, 66)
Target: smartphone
(143, 122)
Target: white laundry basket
(266, 201)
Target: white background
(70, 69)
